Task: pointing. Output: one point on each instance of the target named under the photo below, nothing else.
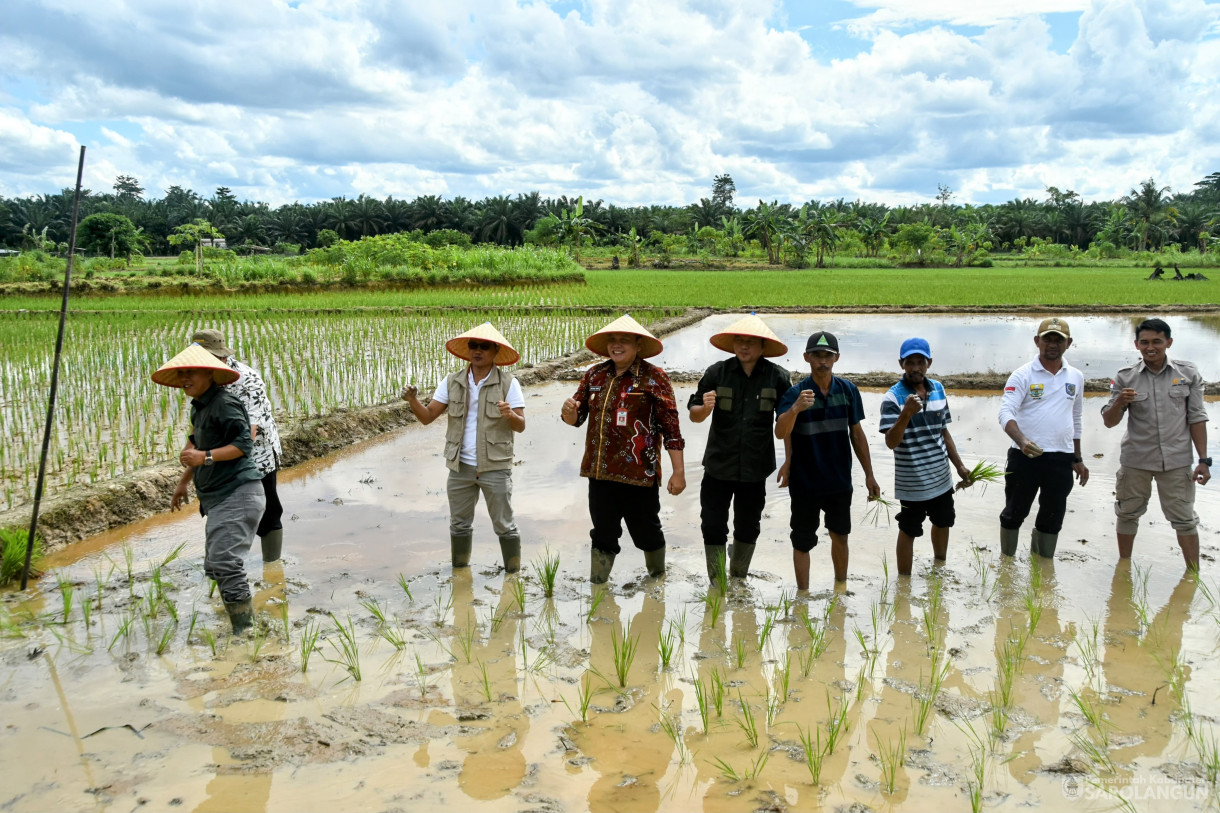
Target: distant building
(213, 242)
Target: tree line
(1150, 217)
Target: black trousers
(1049, 477)
(611, 504)
(747, 499)
(274, 512)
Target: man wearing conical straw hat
(228, 484)
(630, 407)
(486, 408)
(740, 394)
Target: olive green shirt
(1159, 419)
(219, 419)
(741, 444)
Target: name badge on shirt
(620, 417)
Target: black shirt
(219, 419)
(741, 445)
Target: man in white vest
(486, 407)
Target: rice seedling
(465, 638)
(258, 637)
(517, 587)
(597, 595)
(285, 626)
(1139, 594)
(814, 751)
(783, 677)
(190, 630)
(375, 610)
(702, 700)
(1033, 603)
(543, 658)
(768, 626)
(67, 593)
(548, 569)
(346, 648)
(167, 637)
(772, 703)
(406, 588)
(421, 676)
(210, 638)
(309, 642)
(983, 472)
(672, 726)
(721, 577)
(877, 504)
(714, 603)
(667, 643)
(740, 653)
(442, 604)
(624, 653)
(496, 620)
(1208, 750)
(173, 555)
(752, 772)
(976, 784)
(86, 612)
(860, 682)
(584, 696)
(891, 755)
(1088, 644)
(837, 725)
(719, 687)
(987, 585)
(12, 554)
(806, 658)
(124, 630)
(392, 632)
(484, 680)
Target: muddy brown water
(481, 709)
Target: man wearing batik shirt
(252, 392)
(1040, 411)
(630, 407)
(915, 421)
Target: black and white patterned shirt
(253, 394)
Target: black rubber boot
(510, 549)
(715, 556)
(273, 545)
(1009, 539)
(742, 553)
(600, 566)
(241, 615)
(459, 547)
(1044, 544)
(654, 560)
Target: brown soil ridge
(84, 512)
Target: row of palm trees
(1150, 217)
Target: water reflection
(967, 343)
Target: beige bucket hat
(505, 354)
(213, 342)
(193, 358)
(649, 345)
(750, 325)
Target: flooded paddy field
(381, 679)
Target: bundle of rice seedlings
(873, 514)
(983, 472)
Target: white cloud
(632, 101)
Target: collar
(207, 397)
(1063, 366)
(1141, 366)
(470, 376)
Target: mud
(501, 698)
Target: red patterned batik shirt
(631, 416)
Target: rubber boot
(459, 546)
(600, 565)
(742, 553)
(715, 556)
(654, 560)
(1009, 538)
(241, 615)
(1044, 544)
(510, 549)
(273, 545)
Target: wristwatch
(207, 457)
(1205, 461)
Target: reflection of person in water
(495, 763)
(1135, 664)
(630, 756)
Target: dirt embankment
(83, 512)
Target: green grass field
(996, 287)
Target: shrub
(12, 556)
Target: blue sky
(630, 101)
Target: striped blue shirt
(921, 462)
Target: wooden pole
(59, 345)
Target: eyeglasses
(481, 345)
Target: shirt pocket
(724, 398)
(766, 399)
(1179, 391)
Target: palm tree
(368, 215)
(1149, 207)
(495, 221)
(341, 216)
(765, 222)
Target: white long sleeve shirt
(1047, 407)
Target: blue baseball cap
(916, 346)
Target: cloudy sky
(631, 101)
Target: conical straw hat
(194, 357)
(505, 354)
(649, 345)
(750, 325)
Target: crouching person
(486, 407)
(630, 407)
(228, 484)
